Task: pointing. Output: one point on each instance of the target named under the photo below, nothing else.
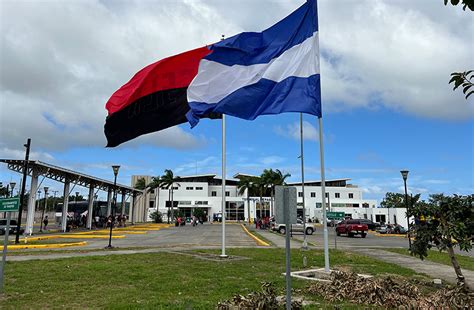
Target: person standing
(45, 222)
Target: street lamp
(44, 206)
(112, 215)
(12, 186)
(405, 177)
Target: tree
(199, 214)
(168, 180)
(464, 79)
(397, 200)
(246, 184)
(156, 184)
(466, 3)
(157, 217)
(140, 184)
(445, 222)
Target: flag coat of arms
(247, 75)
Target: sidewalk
(432, 269)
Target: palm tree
(156, 183)
(260, 186)
(246, 184)
(140, 184)
(168, 180)
(278, 178)
(268, 177)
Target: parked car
(391, 229)
(333, 223)
(3, 227)
(298, 227)
(371, 225)
(351, 228)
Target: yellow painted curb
(45, 246)
(258, 240)
(390, 235)
(71, 237)
(106, 232)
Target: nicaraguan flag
(270, 72)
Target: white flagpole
(305, 244)
(223, 187)
(323, 199)
(223, 255)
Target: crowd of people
(78, 221)
(262, 223)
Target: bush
(157, 217)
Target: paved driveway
(206, 235)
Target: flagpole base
(223, 256)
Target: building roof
(61, 174)
(329, 183)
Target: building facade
(204, 192)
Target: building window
(200, 202)
(326, 195)
(189, 188)
(186, 202)
(337, 195)
(152, 191)
(227, 194)
(351, 195)
(198, 188)
(313, 194)
(300, 194)
(175, 187)
(151, 205)
(213, 193)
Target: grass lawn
(436, 256)
(162, 280)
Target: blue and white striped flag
(270, 72)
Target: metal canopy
(62, 175)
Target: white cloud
(7, 153)
(292, 131)
(395, 54)
(271, 160)
(61, 60)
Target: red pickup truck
(351, 228)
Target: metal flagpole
(223, 187)
(305, 244)
(223, 255)
(323, 196)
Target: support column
(123, 203)
(109, 203)
(65, 205)
(131, 209)
(90, 210)
(30, 217)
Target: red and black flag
(154, 99)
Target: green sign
(9, 204)
(335, 215)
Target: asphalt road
(206, 235)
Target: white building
(204, 191)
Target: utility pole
(23, 186)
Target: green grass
(162, 280)
(465, 262)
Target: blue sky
(386, 102)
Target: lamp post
(44, 206)
(112, 213)
(12, 186)
(405, 177)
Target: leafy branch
(464, 79)
(466, 3)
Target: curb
(46, 246)
(258, 240)
(71, 237)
